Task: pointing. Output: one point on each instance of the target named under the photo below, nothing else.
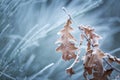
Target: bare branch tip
(65, 10)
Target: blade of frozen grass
(2, 32)
(16, 50)
(32, 37)
(7, 48)
(80, 13)
(54, 67)
(4, 70)
(41, 71)
(29, 61)
(8, 76)
(114, 51)
(89, 8)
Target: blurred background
(28, 31)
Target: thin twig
(70, 17)
(65, 10)
(111, 65)
(75, 61)
(85, 36)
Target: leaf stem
(65, 10)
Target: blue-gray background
(28, 31)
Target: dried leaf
(66, 46)
(93, 59)
(104, 76)
(100, 53)
(93, 64)
(113, 59)
(89, 70)
(70, 71)
(108, 72)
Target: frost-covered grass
(28, 30)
